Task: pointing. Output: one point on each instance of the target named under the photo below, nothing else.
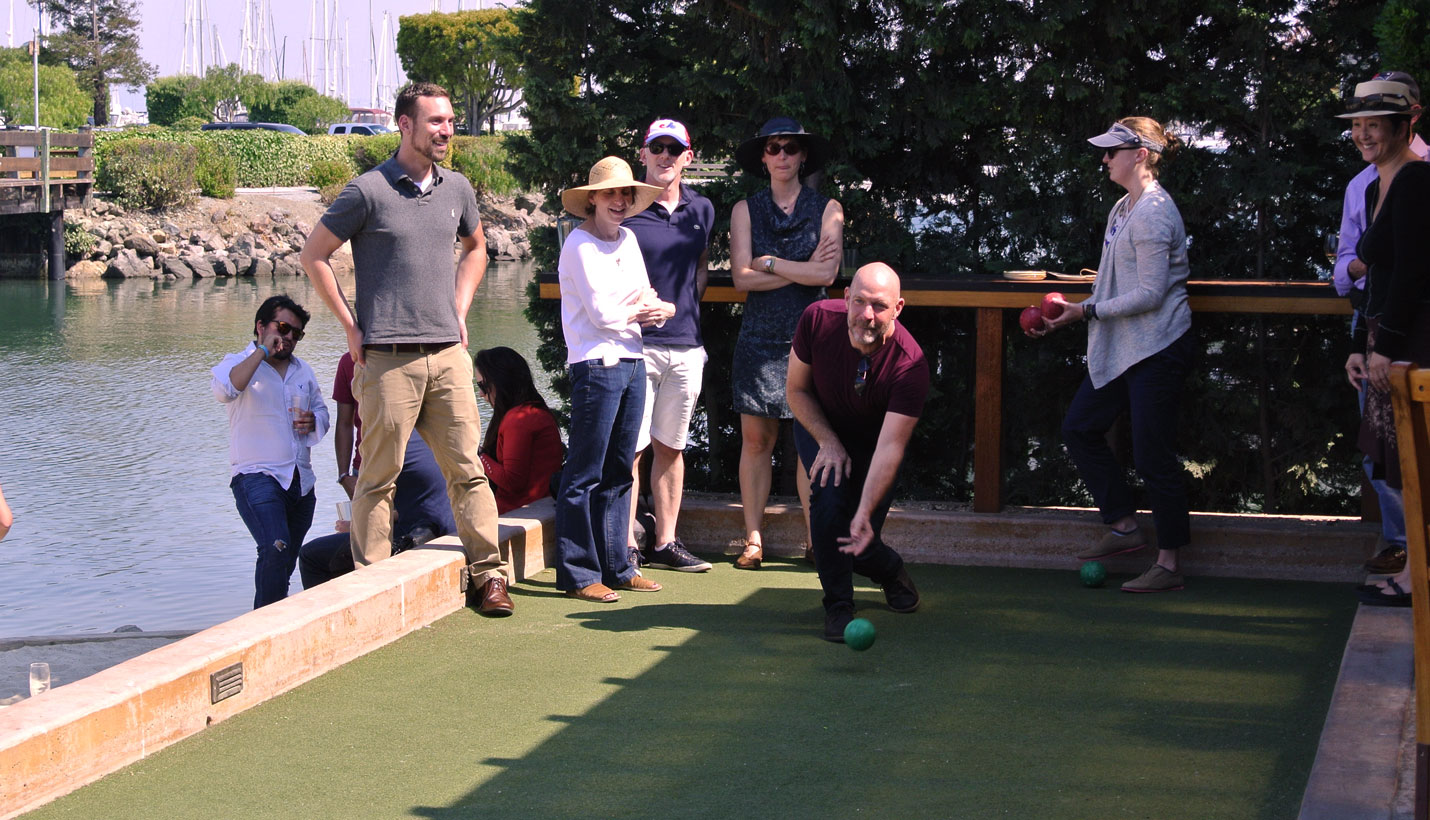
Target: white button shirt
(260, 426)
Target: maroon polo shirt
(898, 380)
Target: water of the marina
(114, 452)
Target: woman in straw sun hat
(605, 299)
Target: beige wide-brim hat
(611, 172)
(1381, 98)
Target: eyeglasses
(658, 148)
(1388, 99)
(285, 329)
(790, 148)
(481, 385)
(861, 376)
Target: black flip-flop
(1377, 596)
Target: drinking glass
(39, 678)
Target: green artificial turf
(1012, 693)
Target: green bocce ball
(859, 634)
(1093, 573)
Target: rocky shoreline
(254, 234)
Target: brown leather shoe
(494, 600)
(1387, 562)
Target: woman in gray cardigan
(1140, 347)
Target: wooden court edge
(78, 733)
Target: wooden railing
(992, 296)
(59, 174)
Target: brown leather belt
(410, 347)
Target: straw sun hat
(611, 172)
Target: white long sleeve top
(260, 425)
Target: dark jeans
(1150, 392)
(831, 509)
(325, 558)
(278, 519)
(593, 504)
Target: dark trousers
(831, 509)
(1150, 392)
(278, 519)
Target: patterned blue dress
(767, 327)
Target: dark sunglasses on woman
(790, 148)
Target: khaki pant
(433, 393)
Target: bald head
(874, 303)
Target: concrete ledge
(79, 732)
(1299, 548)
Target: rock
(167, 248)
(499, 243)
(260, 268)
(524, 203)
(102, 249)
(127, 265)
(142, 245)
(114, 237)
(218, 214)
(262, 253)
(97, 230)
(175, 267)
(284, 266)
(171, 229)
(222, 265)
(86, 269)
(161, 237)
(278, 216)
(129, 628)
(211, 242)
(199, 265)
(241, 263)
(303, 228)
(244, 244)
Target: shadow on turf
(1012, 693)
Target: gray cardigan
(1141, 287)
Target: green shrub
(328, 193)
(483, 161)
(327, 172)
(79, 243)
(369, 152)
(147, 173)
(189, 124)
(216, 172)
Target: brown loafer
(495, 602)
(750, 560)
(640, 583)
(1387, 562)
(595, 593)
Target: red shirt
(528, 452)
(343, 394)
(898, 379)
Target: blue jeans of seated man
(278, 519)
(593, 503)
(1151, 393)
(1392, 507)
(831, 509)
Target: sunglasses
(285, 329)
(481, 385)
(861, 376)
(658, 148)
(1391, 100)
(790, 148)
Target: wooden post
(44, 170)
(57, 244)
(988, 412)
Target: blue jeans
(278, 519)
(1150, 392)
(831, 508)
(1392, 508)
(593, 504)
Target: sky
(161, 33)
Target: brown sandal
(595, 593)
(640, 583)
(748, 560)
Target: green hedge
(271, 158)
(147, 173)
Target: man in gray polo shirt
(409, 337)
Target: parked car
(364, 128)
(250, 126)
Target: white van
(364, 128)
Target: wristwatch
(769, 264)
(351, 473)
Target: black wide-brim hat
(816, 148)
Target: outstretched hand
(861, 535)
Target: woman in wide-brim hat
(786, 243)
(605, 300)
(1394, 248)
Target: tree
(316, 112)
(470, 53)
(100, 41)
(63, 104)
(170, 99)
(959, 133)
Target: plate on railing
(1085, 275)
(1025, 275)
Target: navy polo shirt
(671, 244)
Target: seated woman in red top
(522, 446)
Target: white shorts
(672, 379)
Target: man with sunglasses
(1387, 91)
(674, 238)
(856, 383)
(408, 335)
(276, 414)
